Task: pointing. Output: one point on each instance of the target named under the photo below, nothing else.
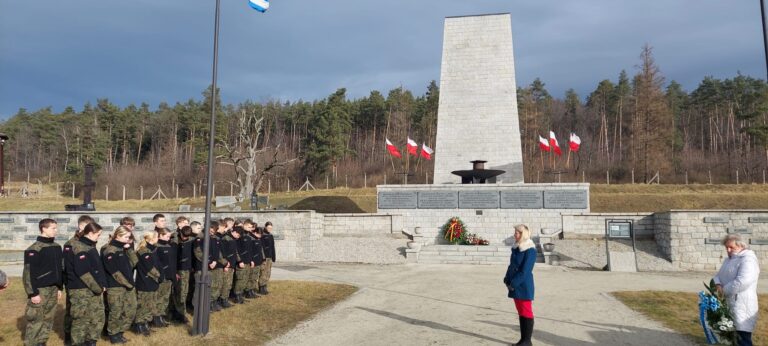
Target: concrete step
(467, 254)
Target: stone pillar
(477, 115)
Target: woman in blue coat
(519, 280)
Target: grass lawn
(679, 311)
(603, 198)
(253, 323)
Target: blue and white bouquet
(715, 316)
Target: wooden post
(537, 176)
(737, 177)
(106, 193)
(346, 186)
(710, 177)
(426, 177)
(289, 184)
(686, 177)
(141, 192)
(73, 190)
(583, 176)
(194, 190)
(326, 182)
(763, 177)
(213, 190)
(269, 186)
(123, 192)
(633, 175)
(365, 180)
(231, 189)
(385, 178)
(177, 191)
(607, 178)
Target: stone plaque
(146, 220)
(20, 229)
(138, 228)
(33, 219)
(716, 219)
(184, 207)
(6, 220)
(438, 199)
(479, 199)
(754, 241)
(72, 229)
(62, 237)
(6, 237)
(712, 241)
(96, 219)
(30, 237)
(278, 236)
(758, 219)
(108, 228)
(739, 230)
(397, 200)
(116, 220)
(62, 220)
(565, 199)
(522, 199)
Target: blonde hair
(525, 233)
(148, 236)
(119, 232)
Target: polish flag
(426, 152)
(393, 149)
(412, 146)
(574, 142)
(553, 143)
(543, 144)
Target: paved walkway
(467, 305)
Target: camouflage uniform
(214, 256)
(166, 251)
(85, 292)
(42, 276)
(68, 263)
(229, 252)
(121, 298)
(258, 260)
(181, 287)
(148, 278)
(268, 242)
(245, 251)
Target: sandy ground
(467, 305)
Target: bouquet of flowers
(715, 316)
(454, 231)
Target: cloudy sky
(62, 53)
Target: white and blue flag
(259, 5)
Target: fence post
(365, 180)
(326, 182)
(763, 177)
(289, 184)
(141, 194)
(269, 186)
(686, 177)
(737, 177)
(73, 190)
(607, 178)
(123, 192)
(106, 193)
(633, 175)
(385, 178)
(177, 191)
(709, 173)
(345, 182)
(426, 177)
(583, 176)
(194, 190)
(58, 191)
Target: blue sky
(62, 53)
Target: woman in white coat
(737, 279)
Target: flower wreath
(454, 231)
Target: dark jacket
(118, 264)
(185, 254)
(43, 266)
(148, 275)
(258, 251)
(229, 250)
(245, 248)
(88, 271)
(214, 252)
(519, 277)
(268, 242)
(69, 261)
(167, 252)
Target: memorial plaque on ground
(225, 200)
(522, 199)
(479, 199)
(397, 200)
(438, 199)
(565, 199)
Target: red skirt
(524, 308)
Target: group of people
(736, 281)
(126, 286)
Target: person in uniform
(184, 266)
(215, 262)
(69, 262)
(243, 269)
(86, 283)
(43, 282)
(148, 279)
(119, 259)
(258, 260)
(268, 242)
(229, 252)
(197, 228)
(166, 252)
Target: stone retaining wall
(592, 225)
(357, 225)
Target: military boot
(224, 303)
(145, 330)
(239, 298)
(115, 339)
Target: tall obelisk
(477, 116)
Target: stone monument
(477, 115)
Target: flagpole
(407, 162)
(203, 285)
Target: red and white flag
(543, 144)
(553, 143)
(574, 142)
(392, 149)
(426, 152)
(412, 146)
